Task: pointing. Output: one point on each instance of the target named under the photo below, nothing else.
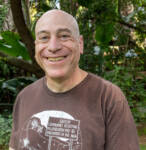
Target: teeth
(55, 59)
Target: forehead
(54, 22)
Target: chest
(62, 124)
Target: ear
(35, 42)
(81, 44)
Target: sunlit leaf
(11, 45)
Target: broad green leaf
(12, 45)
(16, 83)
(104, 33)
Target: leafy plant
(16, 84)
(142, 147)
(11, 45)
(5, 126)
(133, 88)
(9, 90)
(3, 12)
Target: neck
(63, 85)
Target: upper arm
(120, 127)
(14, 134)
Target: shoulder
(33, 87)
(99, 81)
(111, 97)
(107, 89)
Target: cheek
(39, 49)
(76, 50)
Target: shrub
(133, 88)
(5, 126)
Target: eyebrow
(43, 31)
(58, 31)
(64, 30)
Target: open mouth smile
(56, 58)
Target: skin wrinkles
(59, 30)
(69, 18)
(58, 47)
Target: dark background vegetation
(114, 34)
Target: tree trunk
(25, 35)
(22, 28)
(25, 8)
(8, 23)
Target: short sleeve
(14, 134)
(121, 131)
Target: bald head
(58, 17)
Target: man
(69, 109)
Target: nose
(54, 44)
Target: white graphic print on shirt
(51, 130)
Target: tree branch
(131, 26)
(22, 28)
(22, 64)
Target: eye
(43, 38)
(64, 36)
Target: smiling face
(58, 44)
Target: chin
(55, 75)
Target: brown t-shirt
(94, 115)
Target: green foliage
(13, 86)
(142, 147)
(134, 90)
(4, 69)
(100, 25)
(6, 72)
(86, 3)
(98, 28)
(5, 132)
(11, 45)
(16, 84)
(142, 131)
(3, 12)
(104, 33)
